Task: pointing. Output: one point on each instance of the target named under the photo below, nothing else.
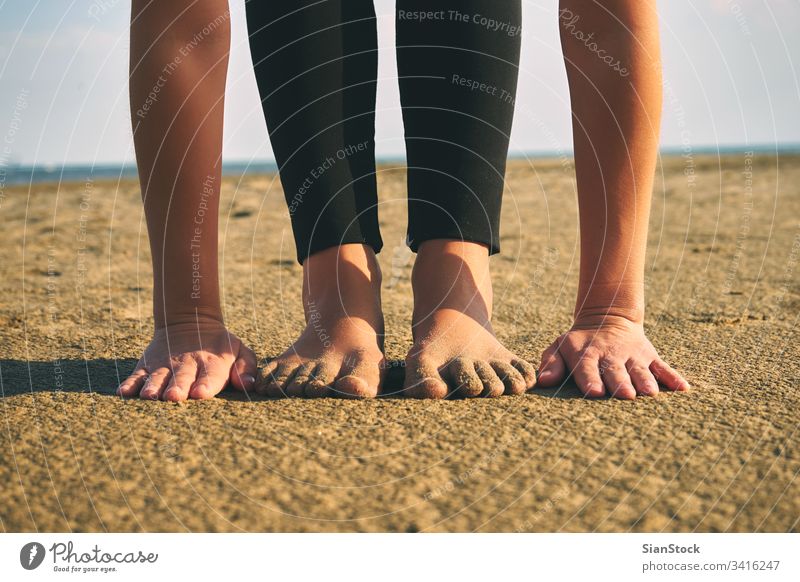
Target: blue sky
(732, 74)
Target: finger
(492, 384)
(616, 380)
(552, 369)
(155, 384)
(527, 370)
(586, 374)
(667, 376)
(512, 379)
(643, 380)
(464, 380)
(212, 377)
(295, 388)
(131, 386)
(243, 372)
(183, 377)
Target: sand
(723, 298)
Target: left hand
(608, 355)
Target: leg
(316, 68)
(458, 75)
(615, 90)
(179, 60)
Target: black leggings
(316, 67)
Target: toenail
(247, 380)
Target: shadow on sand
(102, 376)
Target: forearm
(611, 50)
(179, 59)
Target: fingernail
(247, 380)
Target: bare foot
(340, 352)
(191, 360)
(608, 354)
(455, 351)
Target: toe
(423, 380)
(264, 376)
(360, 378)
(295, 388)
(492, 384)
(274, 383)
(464, 380)
(643, 380)
(322, 379)
(527, 370)
(513, 382)
(155, 384)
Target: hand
(191, 360)
(609, 353)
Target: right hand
(191, 360)
(608, 355)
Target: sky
(731, 72)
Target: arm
(178, 66)
(612, 57)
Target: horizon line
(669, 150)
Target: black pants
(316, 68)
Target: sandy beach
(723, 297)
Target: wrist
(606, 321)
(196, 316)
(610, 302)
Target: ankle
(467, 251)
(334, 265)
(452, 275)
(339, 278)
(452, 267)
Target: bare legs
(179, 60)
(178, 67)
(611, 51)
